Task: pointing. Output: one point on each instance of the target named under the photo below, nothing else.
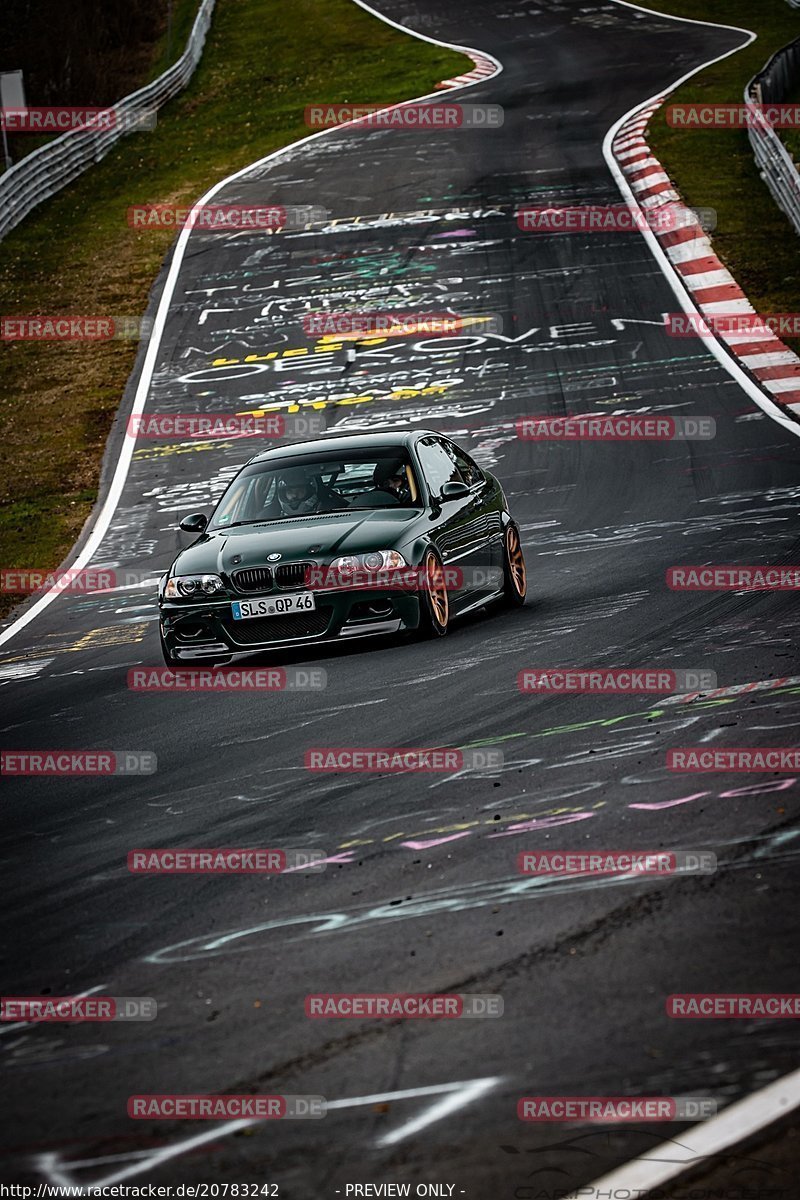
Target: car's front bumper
(196, 631)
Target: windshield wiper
(336, 512)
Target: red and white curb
(712, 288)
(484, 67)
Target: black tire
(434, 602)
(515, 575)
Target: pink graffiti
(671, 803)
(542, 823)
(436, 841)
(753, 789)
(756, 789)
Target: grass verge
(263, 62)
(716, 169)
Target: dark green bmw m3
(345, 537)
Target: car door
(488, 516)
(458, 535)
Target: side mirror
(454, 490)
(194, 523)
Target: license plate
(273, 606)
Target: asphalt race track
(423, 893)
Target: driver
(298, 493)
(391, 476)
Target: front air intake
(254, 579)
(293, 575)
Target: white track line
(461, 1095)
(675, 281)
(454, 1096)
(704, 1142)
(109, 507)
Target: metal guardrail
(54, 165)
(774, 161)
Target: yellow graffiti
(462, 825)
(147, 452)
(324, 346)
(399, 393)
(326, 342)
(109, 635)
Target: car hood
(298, 538)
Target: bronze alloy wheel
(514, 570)
(434, 600)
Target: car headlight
(186, 587)
(375, 560)
(347, 564)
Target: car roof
(337, 443)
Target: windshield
(298, 487)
